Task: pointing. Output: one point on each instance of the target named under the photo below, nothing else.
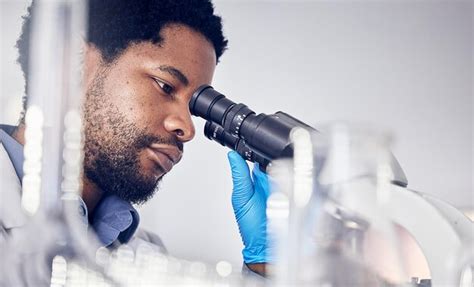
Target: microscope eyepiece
(258, 138)
(209, 104)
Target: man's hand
(249, 200)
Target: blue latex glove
(249, 200)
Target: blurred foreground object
(145, 266)
(335, 219)
(46, 223)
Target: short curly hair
(115, 24)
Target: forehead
(181, 47)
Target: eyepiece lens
(209, 104)
(195, 105)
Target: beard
(112, 148)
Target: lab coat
(12, 216)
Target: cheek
(137, 100)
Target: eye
(166, 88)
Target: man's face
(136, 110)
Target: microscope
(439, 229)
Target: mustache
(146, 140)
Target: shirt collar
(114, 219)
(14, 149)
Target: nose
(180, 124)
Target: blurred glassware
(53, 233)
(340, 235)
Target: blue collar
(113, 219)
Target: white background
(402, 66)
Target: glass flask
(329, 217)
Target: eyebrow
(175, 73)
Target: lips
(165, 156)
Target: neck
(91, 193)
(19, 134)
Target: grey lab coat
(11, 215)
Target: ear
(92, 61)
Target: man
(142, 62)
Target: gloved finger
(242, 182)
(260, 180)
